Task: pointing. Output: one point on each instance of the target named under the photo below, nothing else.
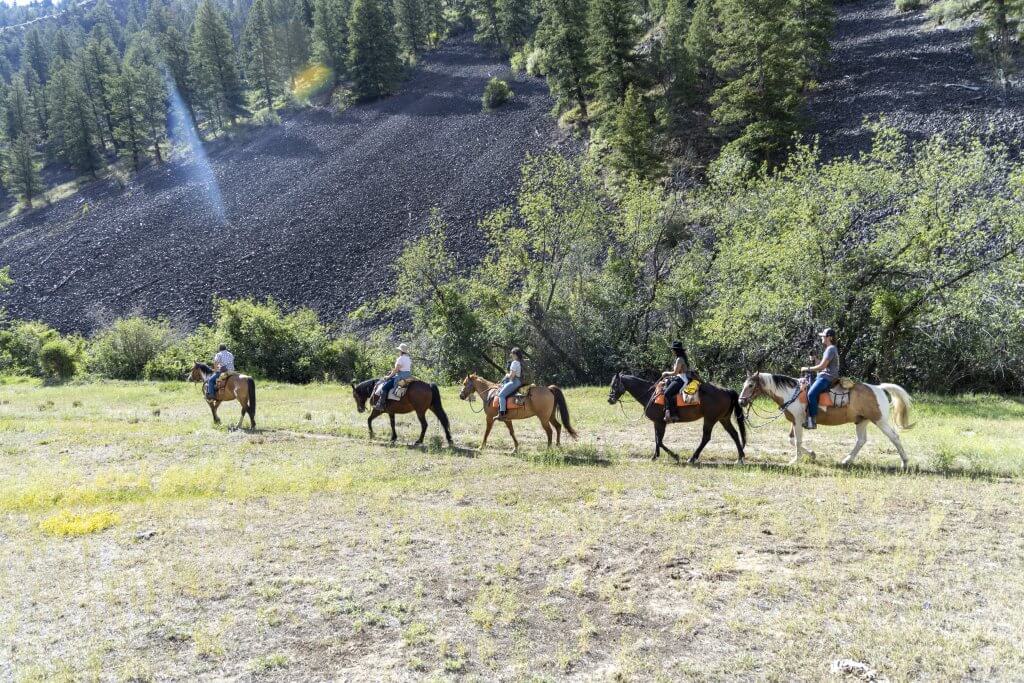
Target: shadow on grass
(821, 469)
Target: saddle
(397, 391)
(513, 402)
(223, 379)
(838, 395)
(687, 397)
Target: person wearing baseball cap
(402, 370)
(828, 372)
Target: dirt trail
(317, 209)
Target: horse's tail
(251, 408)
(563, 409)
(900, 405)
(435, 405)
(737, 411)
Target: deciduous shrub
(20, 345)
(266, 117)
(496, 93)
(123, 350)
(176, 359)
(58, 359)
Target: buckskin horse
(868, 403)
(540, 401)
(236, 387)
(716, 405)
(419, 397)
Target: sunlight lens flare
(312, 80)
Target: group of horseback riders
(680, 378)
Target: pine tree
(99, 66)
(412, 24)
(37, 95)
(60, 45)
(700, 43)
(516, 22)
(21, 169)
(130, 130)
(34, 54)
(613, 34)
(675, 59)
(764, 74)
(563, 35)
(19, 116)
(73, 123)
(633, 140)
(291, 36)
(174, 49)
(261, 52)
(213, 63)
(154, 107)
(330, 34)
(105, 23)
(373, 60)
(488, 30)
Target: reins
(772, 418)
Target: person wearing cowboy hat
(678, 376)
(402, 370)
(828, 372)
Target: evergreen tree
(488, 29)
(105, 23)
(258, 40)
(21, 169)
(613, 34)
(291, 36)
(37, 95)
(563, 35)
(213, 63)
(700, 43)
(74, 125)
(373, 60)
(60, 45)
(130, 129)
(516, 22)
(675, 59)
(34, 54)
(99, 66)
(412, 24)
(997, 33)
(150, 92)
(764, 74)
(330, 34)
(174, 49)
(633, 139)
(19, 117)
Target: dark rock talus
(316, 210)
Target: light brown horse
(541, 402)
(237, 387)
(868, 403)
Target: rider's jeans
(211, 386)
(820, 386)
(507, 389)
(391, 382)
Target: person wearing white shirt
(512, 380)
(402, 370)
(223, 361)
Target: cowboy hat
(404, 348)
(677, 346)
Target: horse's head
(468, 386)
(752, 388)
(196, 373)
(359, 397)
(617, 389)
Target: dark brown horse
(237, 387)
(419, 397)
(716, 405)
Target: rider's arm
(817, 368)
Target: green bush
(58, 359)
(266, 117)
(341, 100)
(908, 5)
(123, 350)
(20, 345)
(518, 61)
(496, 93)
(177, 358)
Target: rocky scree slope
(315, 211)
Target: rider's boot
(810, 423)
(670, 416)
(502, 414)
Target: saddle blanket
(836, 397)
(513, 402)
(397, 391)
(687, 397)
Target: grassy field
(138, 542)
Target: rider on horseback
(512, 380)
(828, 373)
(679, 376)
(402, 370)
(223, 361)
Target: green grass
(305, 550)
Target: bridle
(756, 391)
(468, 393)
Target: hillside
(923, 79)
(315, 210)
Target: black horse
(419, 397)
(716, 405)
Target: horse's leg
(512, 433)
(241, 418)
(705, 437)
(487, 431)
(558, 429)
(798, 437)
(394, 434)
(547, 428)
(422, 415)
(369, 421)
(659, 441)
(862, 437)
(213, 409)
(887, 429)
(727, 423)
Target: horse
(419, 397)
(542, 402)
(716, 405)
(237, 387)
(868, 403)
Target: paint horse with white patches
(868, 403)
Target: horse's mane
(782, 382)
(366, 386)
(204, 367)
